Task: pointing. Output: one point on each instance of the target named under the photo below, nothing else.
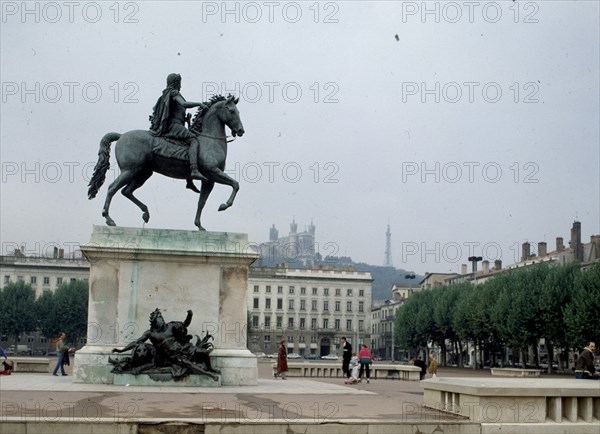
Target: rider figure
(168, 120)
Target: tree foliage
(516, 308)
(17, 309)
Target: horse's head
(222, 109)
(231, 116)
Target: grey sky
(349, 151)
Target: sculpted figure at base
(169, 354)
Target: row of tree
(514, 310)
(53, 312)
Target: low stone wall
(31, 364)
(387, 371)
(522, 401)
(515, 372)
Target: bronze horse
(137, 162)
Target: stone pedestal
(134, 271)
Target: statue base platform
(134, 271)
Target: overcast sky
(469, 128)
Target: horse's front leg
(217, 175)
(205, 190)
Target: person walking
(433, 366)
(282, 366)
(584, 366)
(61, 348)
(365, 358)
(346, 356)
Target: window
(255, 305)
(280, 290)
(267, 321)
(46, 281)
(348, 324)
(290, 304)
(291, 339)
(349, 292)
(267, 338)
(254, 320)
(361, 306)
(313, 323)
(33, 280)
(326, 291)
(268, 289)
(302, 323)
(302, 291)
(325, 323)
(338, 292)
(290, 323)
(291, 289)
(6, 279)
(326, 306)
(313, 339)
(20, 279)
(361, 292)
(279, 320)
(361, 325)
(59, 280)
(337, 325)
(255, 288)
(314, 291)
(302, 304)
(268, 303)
(348, 306)
(302, 338)
(280, 303)
(313, 305)
(72, 279)
(338, 306)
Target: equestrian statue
(171, 149)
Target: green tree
(582, 315)
(45, 308)
(17, 309)
(71, 310)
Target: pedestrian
(2, 353)
(61, 348)
(346, 356)
(365, 358)
(433, 366)
(421, 364)
(584, 366)
(8, 367)
(282, 366)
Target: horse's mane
(196, 126)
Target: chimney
(463, 269)
(575, 242)
(486, 266)
(560, 246)
(525, 251)
(542, 249)
(498, 264)
(61, 253)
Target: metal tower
(388, 248)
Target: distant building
(43, 274)
(297, 249)
(383, 320)
(310, 308)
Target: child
(353, 369)
(8, 367)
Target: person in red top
(282, 366)
(365, 358)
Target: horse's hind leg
(123, 179)
(136, 183)
(205, 190)
(217, 175)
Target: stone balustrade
(529, 404)
(516, 372)
(31, 364)
(387, 371)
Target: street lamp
(474, 260)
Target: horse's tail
(102, 165)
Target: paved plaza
(45, 398)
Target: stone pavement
(46, 399)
